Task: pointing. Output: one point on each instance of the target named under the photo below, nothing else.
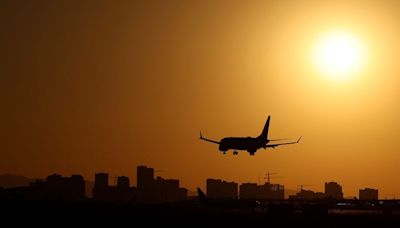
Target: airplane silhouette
(249, 144)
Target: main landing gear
(235, 152)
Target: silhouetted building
(123, 182)
(221, 189)
(122, 192)
(63, 188)
(101, 180)
(100, 186)
(150, 190)
(368, 194)
(307, 195)
(169, 190)
(55, 187)
(248, 191)
(266, 191)
(333, 191)
(145, 177)
(77, 187)
(270, 191)
(182, 193)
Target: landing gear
(224, 152)
(235, 152)
(252, 153)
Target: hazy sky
(90, 86)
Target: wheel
(235, 153)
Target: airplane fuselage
(240, 143)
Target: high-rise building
(77, 186)
(333, 191)
(368, 194)
(101, 180)
(168, 190)
(103, 192)
(248, 191)
(100, 186)
(150, 190)
(266, 191)
(221, 189)
(145, 177)
(270, 191)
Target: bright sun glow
(339, 56)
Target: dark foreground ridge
(190, 213)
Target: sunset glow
(339, 56)
(88, 88)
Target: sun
(339, 56)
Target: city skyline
(155, 200)
(148, 176)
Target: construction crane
(268, 176)
(303, 185)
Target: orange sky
(105, 86)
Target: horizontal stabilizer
(280, 144)
(208, 140)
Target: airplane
(249, 144)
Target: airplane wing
(208, 140)
(280, 144)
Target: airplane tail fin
(264, 133)
(201, 195)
